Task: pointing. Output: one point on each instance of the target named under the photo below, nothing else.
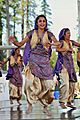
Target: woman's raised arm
(55, 41)
(19, 44)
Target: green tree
(46, 11)
(75, 60)
(2, 18)
(30, 13)
(53, 58)
(2, 11)
(15, 15)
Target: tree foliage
(46, 11)
(22, 14)
(53, 58)
(31, 14)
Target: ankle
(45, 110)
(45, 106)
(29, 104)
(62, 104)
(29, 109)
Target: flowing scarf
(58, 66)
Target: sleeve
(61, 43)
(29, 34)
(50, 34)
(26, 53)
(74, 43)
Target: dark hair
(13, 51)
(62, 33)
(36, 26)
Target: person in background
(78, 59)
(64, 68)
(14, 75)
(77, 85)
(39, 82)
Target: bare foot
(29, 110)
(11, 102)
(45, 110)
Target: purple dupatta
(58, 66)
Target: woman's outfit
(39, 82)
(15, 78)
(64, 68)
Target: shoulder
(62, 43)
(30, 31)
(12, 59)
(29, 34)
(72, 42)
(50, 34)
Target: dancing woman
(15, 76)
(64, 68)
(39, 82)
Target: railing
(4, 47)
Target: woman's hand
(71, 50)
(2, 63)
(11, 39)
(57, 43)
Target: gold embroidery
(35, 40)
(66, 45)
(46, 41)
(12, 60)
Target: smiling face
(67, 35)
(17, 51)
(41, 23)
